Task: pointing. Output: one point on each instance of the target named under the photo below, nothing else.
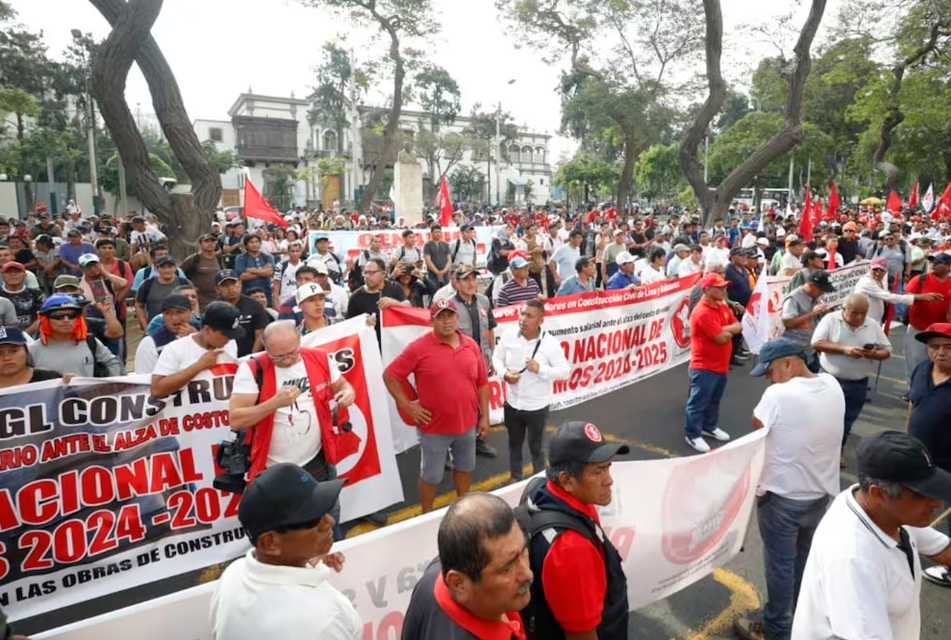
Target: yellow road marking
(743, 599)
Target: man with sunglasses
(64, 343)
(281, 588)
(284, 396)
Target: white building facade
(268, 132)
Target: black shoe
(376, 519)
(483, 448)
(734, 362)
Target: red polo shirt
(706, 321)
(447, 381)
(573, 575)
(479, 627)
(922, 315)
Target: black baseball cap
(775, 349)
(284, 496)
(12, 335)
(820, 278)
(895, 456)
(166, 259)
(176, 301)
(207, 236)
(224, 318)
(940, 258)
(577, 441)
(226, 274)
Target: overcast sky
(219, 48)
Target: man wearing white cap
(624, 278)
(311, 299)
(681, 252)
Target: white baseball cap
(308, 290)
(625, 258)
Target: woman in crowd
(16, 366)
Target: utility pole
(91, 128)
(498, 153)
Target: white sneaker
(697, 443)
(718, 434)
(938, 575)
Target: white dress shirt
(878, 295)
(533, 391)
(254, 600)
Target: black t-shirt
(438, 252)
(426, 619)
(39, 375)
(638, 238)
(931, 414)
(362, 301)
(253, 317)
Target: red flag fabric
(805, 220)
(255, 206)
(890, 313)
(832, 254)
(833, 203)
(943, 206)
(893, 203)
(913, 198)
(445, 204)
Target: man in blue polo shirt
(624, 278)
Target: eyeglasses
(287, 356)
(72, 315)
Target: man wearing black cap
(149, 297)
(176, 316)
(254, 267)
(182, 360)
(253, 316)
(281, 588)
(863, 576)
(476, 587)
(811, 261)
(802, 311)
(580, 590)
(202, 267)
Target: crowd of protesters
(71, 284)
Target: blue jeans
(703, 403)
(787, 527)
(855, 393)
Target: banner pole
(941, 518)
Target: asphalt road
(649, 416)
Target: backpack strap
(551, 523)
(455, 251)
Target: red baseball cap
(713, 280)
(12, 265)
(439, 307)
(938, 329)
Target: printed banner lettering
(673, 521)
(104, 487)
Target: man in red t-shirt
(453, 402)
(923, 314)
(712, 327)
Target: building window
(216, 134)
(540, 155)
(527, 154)
(541, 181)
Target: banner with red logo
(104, 487)
(673, 521)
(611, 339)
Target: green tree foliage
(657, 172)
(438, 94)
(592, 176)
(109, 175)
(466, 183)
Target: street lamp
(498, 147)
(91, 129)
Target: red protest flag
(913, 198)
(805, 220)
(894, 202)
(833, 203)
(944, 203)
(445, 204)
(255, 206)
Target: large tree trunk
(894, 115)
(185, 215)
(715, 202)
(393, 118)
(627, 171)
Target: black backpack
(496, 263)
(99, 369)
(355, 278)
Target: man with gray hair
(849, 344)
(287, 397)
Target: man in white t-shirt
(791, 261)
(182, 360)
(804, 413)
(863, 576)
(286, 395)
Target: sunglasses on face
(71, 315)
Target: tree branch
(108, 82)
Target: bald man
(849, 344)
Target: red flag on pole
(255, 206)
(890, 314)
(894, 203)
(445, 204)
(913, 198)
(943, 206)
(833, 203)
(805, 220)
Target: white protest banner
(673, 521)
(756, 319)
(611, 339)
(104, 487)
(843, 279)
(350, 244)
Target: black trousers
(322, 471)
(518, 423)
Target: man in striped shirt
(520, 288)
